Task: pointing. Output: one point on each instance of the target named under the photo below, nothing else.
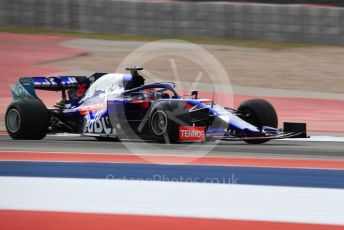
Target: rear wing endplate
(23, 89)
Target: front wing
(290, 130)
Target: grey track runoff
(272, 149)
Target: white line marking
(317, 139)
(224, 201)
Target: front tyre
(165, 119)
(259, 113)
(159, 122)
(27, 119)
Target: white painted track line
(317, 139)
(202, 200)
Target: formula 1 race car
(111, 106)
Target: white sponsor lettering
(106, 125)
(192, 133)
(100, 125)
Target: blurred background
(283, 20)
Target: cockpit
(153, 92)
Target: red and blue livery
(111, 106)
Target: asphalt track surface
(273, 149)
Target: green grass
(210, 41)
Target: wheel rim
(13, 120)
(159, 123)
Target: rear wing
(57, 83)
(26, 86)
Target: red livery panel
(191, 133)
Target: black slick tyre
(165, 120)
(27, 119)
(259, 113)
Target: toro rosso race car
(111, 106)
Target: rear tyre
(165, 119)
(27, 119)
(259, 113)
